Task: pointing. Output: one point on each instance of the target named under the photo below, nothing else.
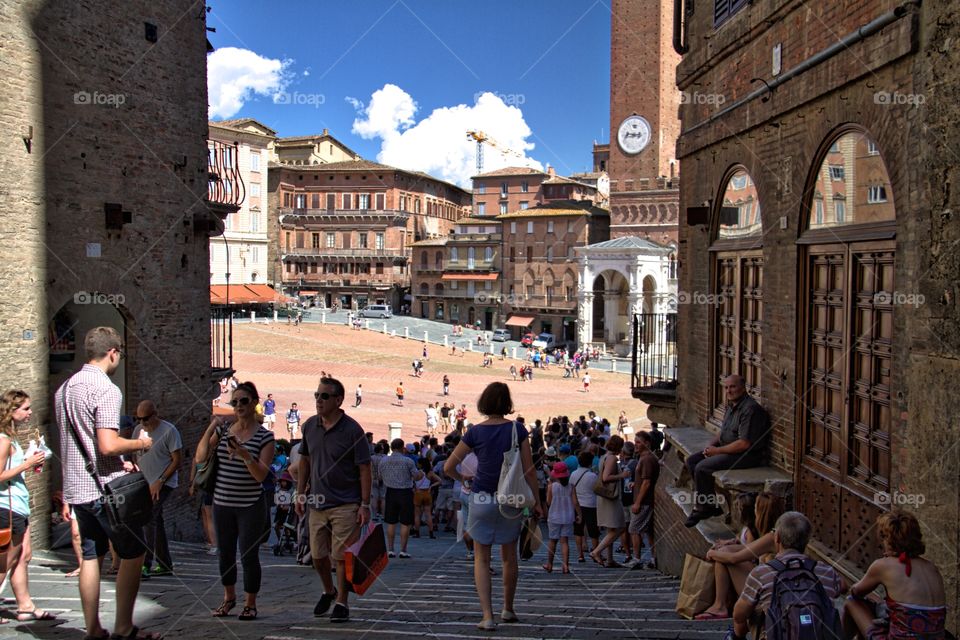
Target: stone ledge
(712, 529)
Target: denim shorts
(489, 523)
(556, 531)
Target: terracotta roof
(430, 242)
(558, 208)
(478, 219)
(511, 171)
(237, 123)
(589, 175)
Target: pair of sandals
(505, 616)
(248, 613)
(549, 568)
(605, 564)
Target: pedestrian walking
(446, 385)
(490, 523)
(399, 391)
(433, 416)
(563, 512)
(15, 413)
(609, 510)
(269, 412)
(335, 464)
(358, 395)
(586, 383)
(160, 466)
(88, 415)
(398, 472)
(513, 371)
(244, 450)
(425, 352)
(293, 421)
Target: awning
(307, 293)
(243, 294)
(519, 321)
(470, 276)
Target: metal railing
(654, 350)
(341, 252)
(224, 185)
(221, 338)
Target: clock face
(634, 135)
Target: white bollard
(275, 319)
(469, 345)
(492, 351)
(253, 317)
(514, 354)
(445, 345)
(396, 428)
(384, 328)
(406, 334)
(613, 366)
(393, 333)
(323, 320)
(426, 338)
(368, 325)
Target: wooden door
(845, 399)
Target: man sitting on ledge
(741, 444)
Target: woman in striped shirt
(244, 451)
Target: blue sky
(548, 59)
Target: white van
(501, 335)
(377, 311)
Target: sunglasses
(239, 402)
(323, 395)
(119, 353)
(143, 418)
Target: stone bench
(686, 441)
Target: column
(585, 317)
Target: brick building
(456, 278)
(105, 213)
(344, 230)
(245, 231)
(820, 230)
(540, 279)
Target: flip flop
(710, 615)
(30, 616)
(73, 574)
(136, 635)
(547, 568)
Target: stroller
(285, 520)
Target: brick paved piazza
(287, 362)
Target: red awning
(243, 294)
(519, 321)
(470, 276)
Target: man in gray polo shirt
(742, 443)
(335, 465)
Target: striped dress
(235, 487)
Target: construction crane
(481, 138)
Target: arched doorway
(848, 253)
(599, 287)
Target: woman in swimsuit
(915, 600)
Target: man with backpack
(793, 592)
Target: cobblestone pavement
(430, 595)
(287, 361)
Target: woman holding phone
(244, 451)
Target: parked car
(377, 311)
(501, 335)
(546, 341)
(527, 339)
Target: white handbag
(512, 489)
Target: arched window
(438, 261)
(736, 300)
(424, 289)
(846, 304)
(423, 260)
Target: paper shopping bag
(365, 559)
(697, 587)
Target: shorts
(422, 498)
(269, 418)
(556, 531)
(642, 522)
(19, 524)
(490, 523)
(588, 523)
(398, 506)
(96, 534)
(332, 531)
(445, 499)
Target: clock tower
(644, 122)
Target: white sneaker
(391, 554)
(404, 554)
(469, 555)
(212, 551)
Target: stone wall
(103, 109)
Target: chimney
(326, 132)
(551, 171)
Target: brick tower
(644, 123)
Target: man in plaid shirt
(88, 404)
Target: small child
(564, 510)
(283, 498)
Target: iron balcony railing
(221, 339)
(654, 350)
(224, 185)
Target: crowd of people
(593, 489)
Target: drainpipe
(680, 44)
(858, 35)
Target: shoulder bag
(512, 489)
(126, 499)
(6, 534)
(603, 489)
(205, 477)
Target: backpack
(799, 606)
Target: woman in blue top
(489, 523)
(15, 501)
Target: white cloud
(438, 144)
(356, 104)
(235, 76)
